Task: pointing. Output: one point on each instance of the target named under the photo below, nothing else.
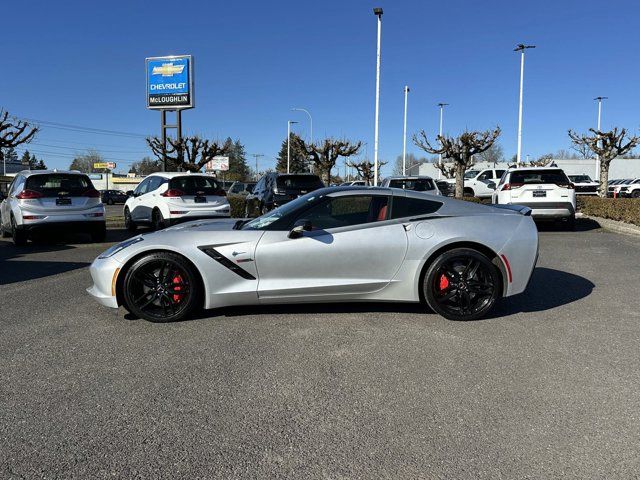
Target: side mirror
(491, 185)
(300, 227)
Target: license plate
(539, 193)
(200, 199)
(63, 201)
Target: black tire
(161, 287)
(129, 224)
(635, 193)
(19, 236)
(3, 232)
(157, 220)
(462, 284)
(468, 192)
(99, 234)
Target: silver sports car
(340, 244)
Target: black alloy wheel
(129, 224)
(462, 284)
(161, 287)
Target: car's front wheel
(129, 224)
(462, 284)
(161, 287)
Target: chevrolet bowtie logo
(167, 70)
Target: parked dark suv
(276, 189)
(111, 197)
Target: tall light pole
(310, 120)
(289, 122)
(441, 105)
(378, 13)
(521, 48)
(404, 133)
(599, 99)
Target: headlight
(120, 246)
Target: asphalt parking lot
(547, 387)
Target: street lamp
(310, 119)
(378, 13)
(599, 99)
(521, 48)
(289, 122)
(441, 105)
(404, 133)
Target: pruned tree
(607, 146)
(14, 132)
(325, 154)
(459, 150)
(365, 169)
(542, 161)
(189, 153)
(448, 168)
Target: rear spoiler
(526, 211)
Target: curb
(613, 225)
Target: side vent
(224, 261)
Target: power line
(78, 128)
(89, 148)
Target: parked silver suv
(51, 199)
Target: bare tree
(448, 168)
(459, 150)
(542, 161)
(583, 150)
(14, 132)
(325, 154)
(190, 153)
(607, 146)
(493, 154)
(365, 169)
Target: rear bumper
(73, 226)
(549, 209)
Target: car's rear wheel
(158, 220)
(161, 287)
(19, 236)
(635, 194)
(5, 233)
(462, 284)
(129, 224)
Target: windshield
(471, 174)
(249, 187)
(54, 184)
(539, 177)
(260, 223)
(298, 182)
(416, 184)
(580, 178)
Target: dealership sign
(107, 165)
(170, 82)
(217, 164)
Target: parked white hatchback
(40, 200)
(547, 191)
(166, 198)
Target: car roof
(533, 169)
(409, 177)
(30, 173)
(179, 174)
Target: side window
(486, 175)
(412, 207)
(142, 187)
(18, 184)
(500, 173)
(347, 211)
(503, 179)
(154, 183)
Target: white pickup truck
(476, 182)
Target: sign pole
(163, 126)
(179, 134)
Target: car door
(481, 184)
(5, 205)
(149, 200)
(353, 249)
(137, 209)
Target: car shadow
(581, 225)
(548, 289)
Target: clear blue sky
(82, 63)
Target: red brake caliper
(177, 281)
(443, 284)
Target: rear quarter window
(413, 207)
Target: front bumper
(104, 273)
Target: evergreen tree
(299, 161)
(10, 155)
(238, 168)
(26, 159)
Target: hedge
(237, 202)
(621, 209)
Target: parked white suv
(630, 189)
(477, 183)
(51, 199)
(166, 198)
(547, 191)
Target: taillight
(512, 186)
(29, 195)
(92, 193)
(570, 186)
(173, 192)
